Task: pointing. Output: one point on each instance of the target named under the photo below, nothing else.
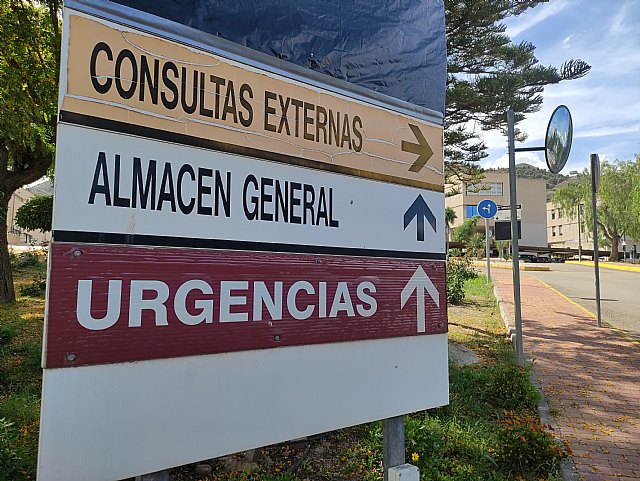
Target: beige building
(562, 231)
(16, 235)
(495, 186)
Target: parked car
(527, 257)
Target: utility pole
(514, 237)
(595, 184)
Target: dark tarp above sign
(394, 47)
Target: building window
(484, 188)
(471, 211)
(553, 214)
(559, 230)
(553, 231)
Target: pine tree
(487, 75)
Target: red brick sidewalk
(589, 375)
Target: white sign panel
(504, 213)
(116, 421)
(118, 184)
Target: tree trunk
(7, 293)
(613, 255)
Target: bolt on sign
(235, 248)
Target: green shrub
(36, 288)
(508, 386)
(458, 271)
(524, 446)
(36, 213)
(7, 333)
(26, 259)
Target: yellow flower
(415, 457)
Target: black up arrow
(420, 210)
(422, 149)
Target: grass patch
(20, 374)
(489, 431)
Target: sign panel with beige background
(119, 77)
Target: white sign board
(199, 197)
(504, 213)
(112, 422)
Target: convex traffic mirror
(558, 139)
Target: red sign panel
(116, 304)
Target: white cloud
(605, 104)
(617, 24)
(609, 130)
(534, 17)
(531, 158)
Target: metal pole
(596, 254)
(392, 444)
(514, 237)
(446, 242)
(488, 242)
(579, 234)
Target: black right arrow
(420, 210)
(422, 149)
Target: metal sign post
(487, 249)
(557, 146)
(595, 184)
(393, 443)
(487, 209)
(579, 234)
(514, 237)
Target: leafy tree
(487, 74)
(36, 213)
(618, 201)
(29, 60)
(466, 230)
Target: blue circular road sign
(487, 208)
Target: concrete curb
(509, 265)
(568, 469)
(509, 325)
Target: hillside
(528, 171)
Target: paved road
(620, 292)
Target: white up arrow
(420, 283)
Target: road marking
(607, 266)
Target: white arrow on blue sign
(487, 208)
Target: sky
(605, 104)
